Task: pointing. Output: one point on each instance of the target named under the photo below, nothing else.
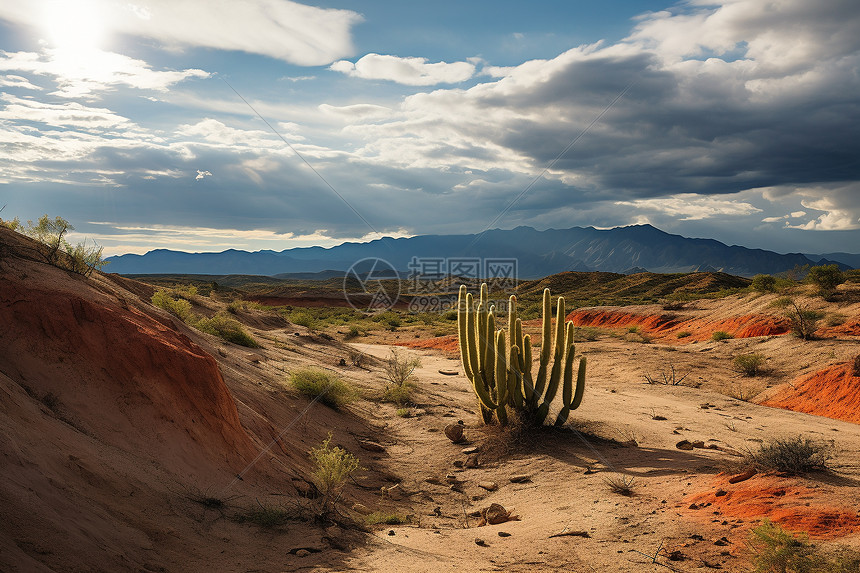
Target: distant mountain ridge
(537, 254)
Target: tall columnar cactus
(500, 366)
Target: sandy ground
(119, 470)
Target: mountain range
(629, 249)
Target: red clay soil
(833, 392)
(119, 366)
(448, 344)
(782, 500)
(669, 326)
(849, 328)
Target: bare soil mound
(833, 392)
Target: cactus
(499, 365)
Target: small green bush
(804, 321)
(227, 328)
(316, 383)
(826, 277)
(353, 332)
(721, 335)
(403, 413)
(180, 308)
(684, 334)
(749, 364)
(588, 333)
(265, 516)
(798, 455)
(764, 283)
(388, 518)
(399, 377)
(332, 467)
(776, 550)
(303, 318)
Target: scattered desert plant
(804, 321)
(323, 386)
(781, 302)
(797, 455)
(719, 335)
(620, 484)
(835, 319)
(352, 332)
(180, 308)
(684, 334)
(332, 467)
(78, 258)
(776, 550)
(632, 329)
(667, 377)
(399, 377)
(265, 516)
(588, 333)
(303, 318)
(743, 392)
(749, 364)
(764, 283)
(227, 328)
(386, 517)
(826, 278)
(500, 366)
(403, 413)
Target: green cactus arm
(545, 347)
(490, 361)
(462, 330)
(501, 369)
(560, 342)
(580, 385)
(567, 386)
(515, 379)
(480, 330)
(471, 340)
(528, 385)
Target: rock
(390, 532)
(302, 553)
(471, 450)
(451, 478)
(684, 445)
(698, 444)
(371, 446)
(488, 485)
(255, 358)
(472, 462)
(480, 542)
(342, 362)
(722, 542)
(361, 508)
(496, 514)
(520, 478)
(742, 477)
(504, 534)
(721, 493)
(454, 432)
(458, 463)
(448, 372)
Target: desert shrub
(826, 277)
(721, 335)
(588, 333)
(179, 308)
(399, 373)
(265, 516)
(12, 224)
(804, 321)
(684, 334)
(227, 328)
(235, 306)
(777, 550)
(620, 484)
(749, 364)
(668, 377)
(303, 318)
(51, 233)
(353, 332)
(403, 413)
(388, 518)
(836, 319)
(797, 455)
(764, 283)
(332, 467)
(325, 386)
(781, 302)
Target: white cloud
(688, 207)
(11, 81)
(202, 175)
(408, 71)
(838, 203)
(81, 76)
(282, 29)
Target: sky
(203, 125)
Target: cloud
(202, 175)
(281, 29)
(96, 72)
(690, 207)
(408, 71)
(11, 81)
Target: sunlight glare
(75, 29)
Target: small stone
(488, 485)
(451, 478)
(684, 445)
(520, 478)
(458, 463)
(361, 508)
(480, 542)
(371, 446)
(742, 477)
(472, 462)
(448, 372)
(342, 362)
(722, 542)
(302, 553)
(471, 450)
(504, 534)
(698, 444)
(390, 532)
(721, 493)
(454, 432)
